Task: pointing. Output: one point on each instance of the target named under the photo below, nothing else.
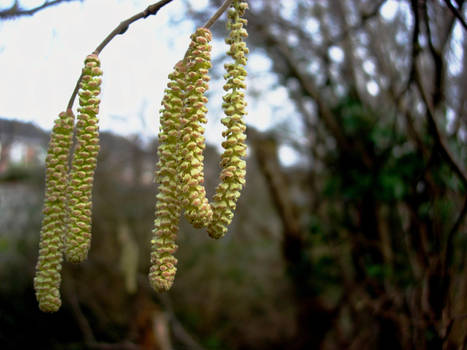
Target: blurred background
(351, 230)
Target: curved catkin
(49, 264)
(78, 237)
(232, 178)
(192, 142)
(163, 263)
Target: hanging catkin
(192, 141)
(232, 176)
(66, 227)
(78, 237)
(49, 264)
(163, 263)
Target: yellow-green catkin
(192, 141)
(49, 264)
(78, 237)
(163, 263)
(232, 178)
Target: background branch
(436, 133)
(119, 30)
(123, 27)
(218, 13)
(456, 13)
(16, 10)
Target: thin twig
(437, 133)
(448, 250)
(218, 13)
(364, 18)
(73, 95)
(456, 13)
(123, 26)
(178, 329)
(415, 50)
(16, 11)
(81, 319)
(120, 29)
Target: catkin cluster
(162, 270)
(232, 163)
(198, 62)
(66, 224)
(49, 264)
(180, 171)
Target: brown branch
(81, 319)
(218, 13)
(415, 50)
(274, 44)
(456, 13)
(69, 107)
(16, 11)
(124, 25)
(119, 30)
(438, 64)
(265, 149)
(365, 17)
(436, 133)
(448, 252)
(178, 329)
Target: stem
(73, 95)
(218, 13)
(457, 13)
(436, 133)
(120, 29)
(16, 10)
(124, 25)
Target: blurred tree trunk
(314, 319)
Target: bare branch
(178, 329)
(16, 11)
(436, 133)
(365, 17)
(83, 323)
(119, 30)
(124, 25)
(218, 13)
(456, 13)
(415, 48)
(448, 252)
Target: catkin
(232, 178)
(49, 264)
(78, 237)
(163, 263)
(198, 62)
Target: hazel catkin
(79, 192)
(163, 263)
(232, 178)
(49, 264)
(192, 141)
